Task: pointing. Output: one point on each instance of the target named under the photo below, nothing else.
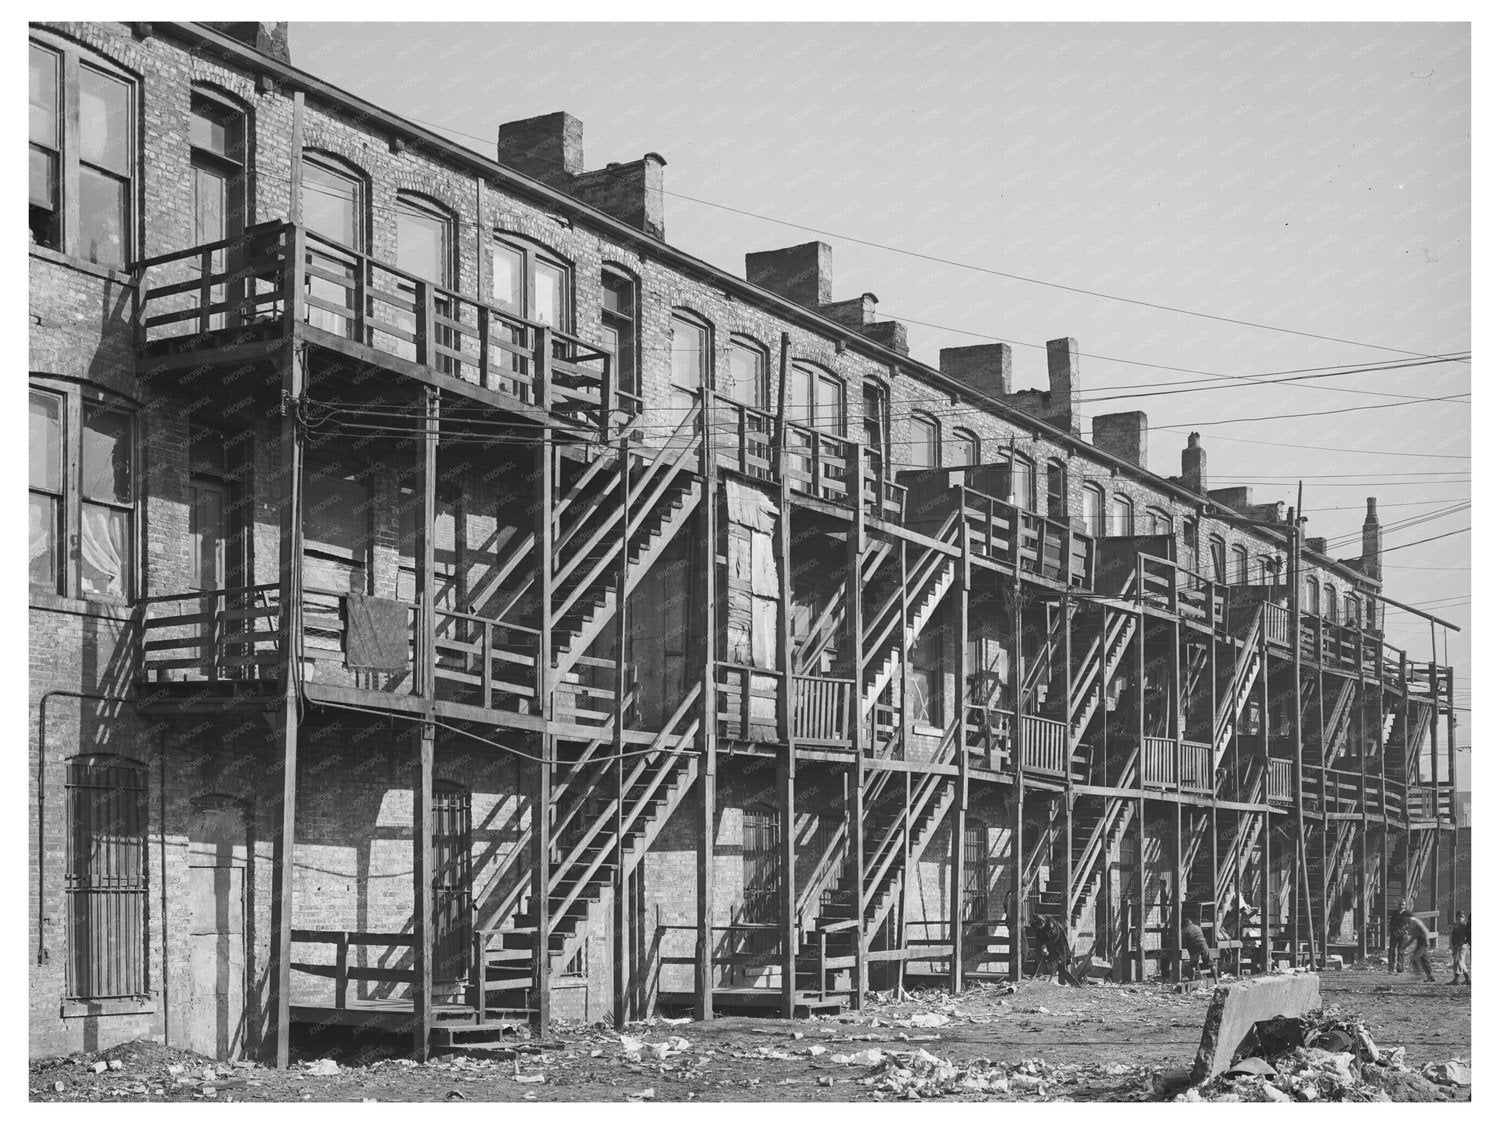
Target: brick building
(451, 604)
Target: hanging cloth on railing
(376, 634)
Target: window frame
(1028, 500)
(1239, 564)
(531, 254)
(1095, 524)
(72, 60)
(1160, 518)
(923, 422)
(747, 345)
(413, 203)
(76, 400)
(815, 374)
(1121, 516)
(972, 448)
(1057, 498)
(1218, 558)
(626, 326)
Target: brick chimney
(547, 148)
(1195, 466)
(1318, 544)
(1123, 434)
(984, 366)
(1369, 555)
(802, 274)
(267, 38)
(1063, 384)
(631, 192)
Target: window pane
(106, 455)
(210, 194)
(104, 550)
(687, 354)
(551, 295)
(43, 88)
(217, 128)
(46, 441)
(422, 243)
(746, 376)
(923, 443)
(103, 217)
(207, 531)
(331, 203)
(799, 395)
(505, 279)
(830, 417)
(103, 120)
(45, 513)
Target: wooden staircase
(1339, 857)
(1337, 721)
(587, 847)
(1236, 692)
(1101, 659)
(1097, 825)
(929, 577)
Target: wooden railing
(821, 708)
(340, 970)
(1046, 743)
(485, 662)
(1197, 767)
(747, 699)
(1166, 585)
(742, 437)
(1279, 781)
(247, 281)
(1278, 624)
(1004, 533)
(819, 464)
(211, 636)
(1159, 763)
(882, 497)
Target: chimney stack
(984, 366)
(547, 148)
(1195, 466)
(267, 38)
(1123, 434)
(802, 274)
(1064, 385)
(1369, 555)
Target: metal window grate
(106, 879)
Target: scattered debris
(323, 1067)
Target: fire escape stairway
(1417, 727)
(1237, 860)
(1096, 830)
(586, 846)
(1197, 887)
(1039, 670)
(890, 818)
(1247, 668)
(1339, 857)
(1042, 855)
(929, 578)
(1422, 846)
(819, 641)
(1337, 724)
(1100, 662)
(1193, 669)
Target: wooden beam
(787, 765)
(703, 971)
(961, 804)
(541, 818)
(854, 809)
(621, 943)
(422, 877)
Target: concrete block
(1236, 1008)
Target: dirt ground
(1096, 1043)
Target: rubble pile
(1327, 1059)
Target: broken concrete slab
(1235, 1009)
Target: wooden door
(452, 883)
(218, 852)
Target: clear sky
(1314, 177)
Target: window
(815, 398)
(1057, 489)
(1239, 570)
(1310, 593)
(333, 209)
(1351, 610)
(532, 283)
(424, 249)
(926, 442)
(976, 904)
(1331, 603)
(216, 509)
(691, 361)
(105, 884)
(1372, 615)
(617, 317)
(747, 374)
(874, 428)
(104, 436)
(1190, 545)
(1216, 558)
(81, 132)
(1023, 482)
(1093, 510)
(217, 135)
(760, 852)
(928, 672)
(1158, 522)
(1121, 516)
(966, 447)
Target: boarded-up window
(106, 877)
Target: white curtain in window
(104, 550)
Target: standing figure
(1197, 945)
(1414, 939)
(1459, 938)
(1052, 945)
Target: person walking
(1459, 942)
(1197, 946)
(1414, 939)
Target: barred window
(106, 877)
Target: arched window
(1057, 489)
(747, 377)
(531, 281)
(424, 248)
(1158, 522)
(1217, 559)
(815, 398)
(1372, 614)
(692, 362)
(333, 210)
(1331, 603)
(926, 450)
(965, 447)
(1121, 516)
(1351, 610)
(1239, 569)
(1190, 545)
(1310, 596)
(1093, 510)
(617, 319)
(1023, 482)
(105, 881)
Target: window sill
(923, 730)
(57, 257)
(115, 608)
(91, 1008)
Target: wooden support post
(1140, 780)
(787, 773)
(961, 803)
(1320, 932)
(1453, 786)
(541, 812)
(422, 876)
(1361, 915)
(1294, 597)
(1437, 787)
(621, 885)
(854, 594)
(1017, 918)
(703, 972)
(284, 823)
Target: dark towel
(376, 634)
